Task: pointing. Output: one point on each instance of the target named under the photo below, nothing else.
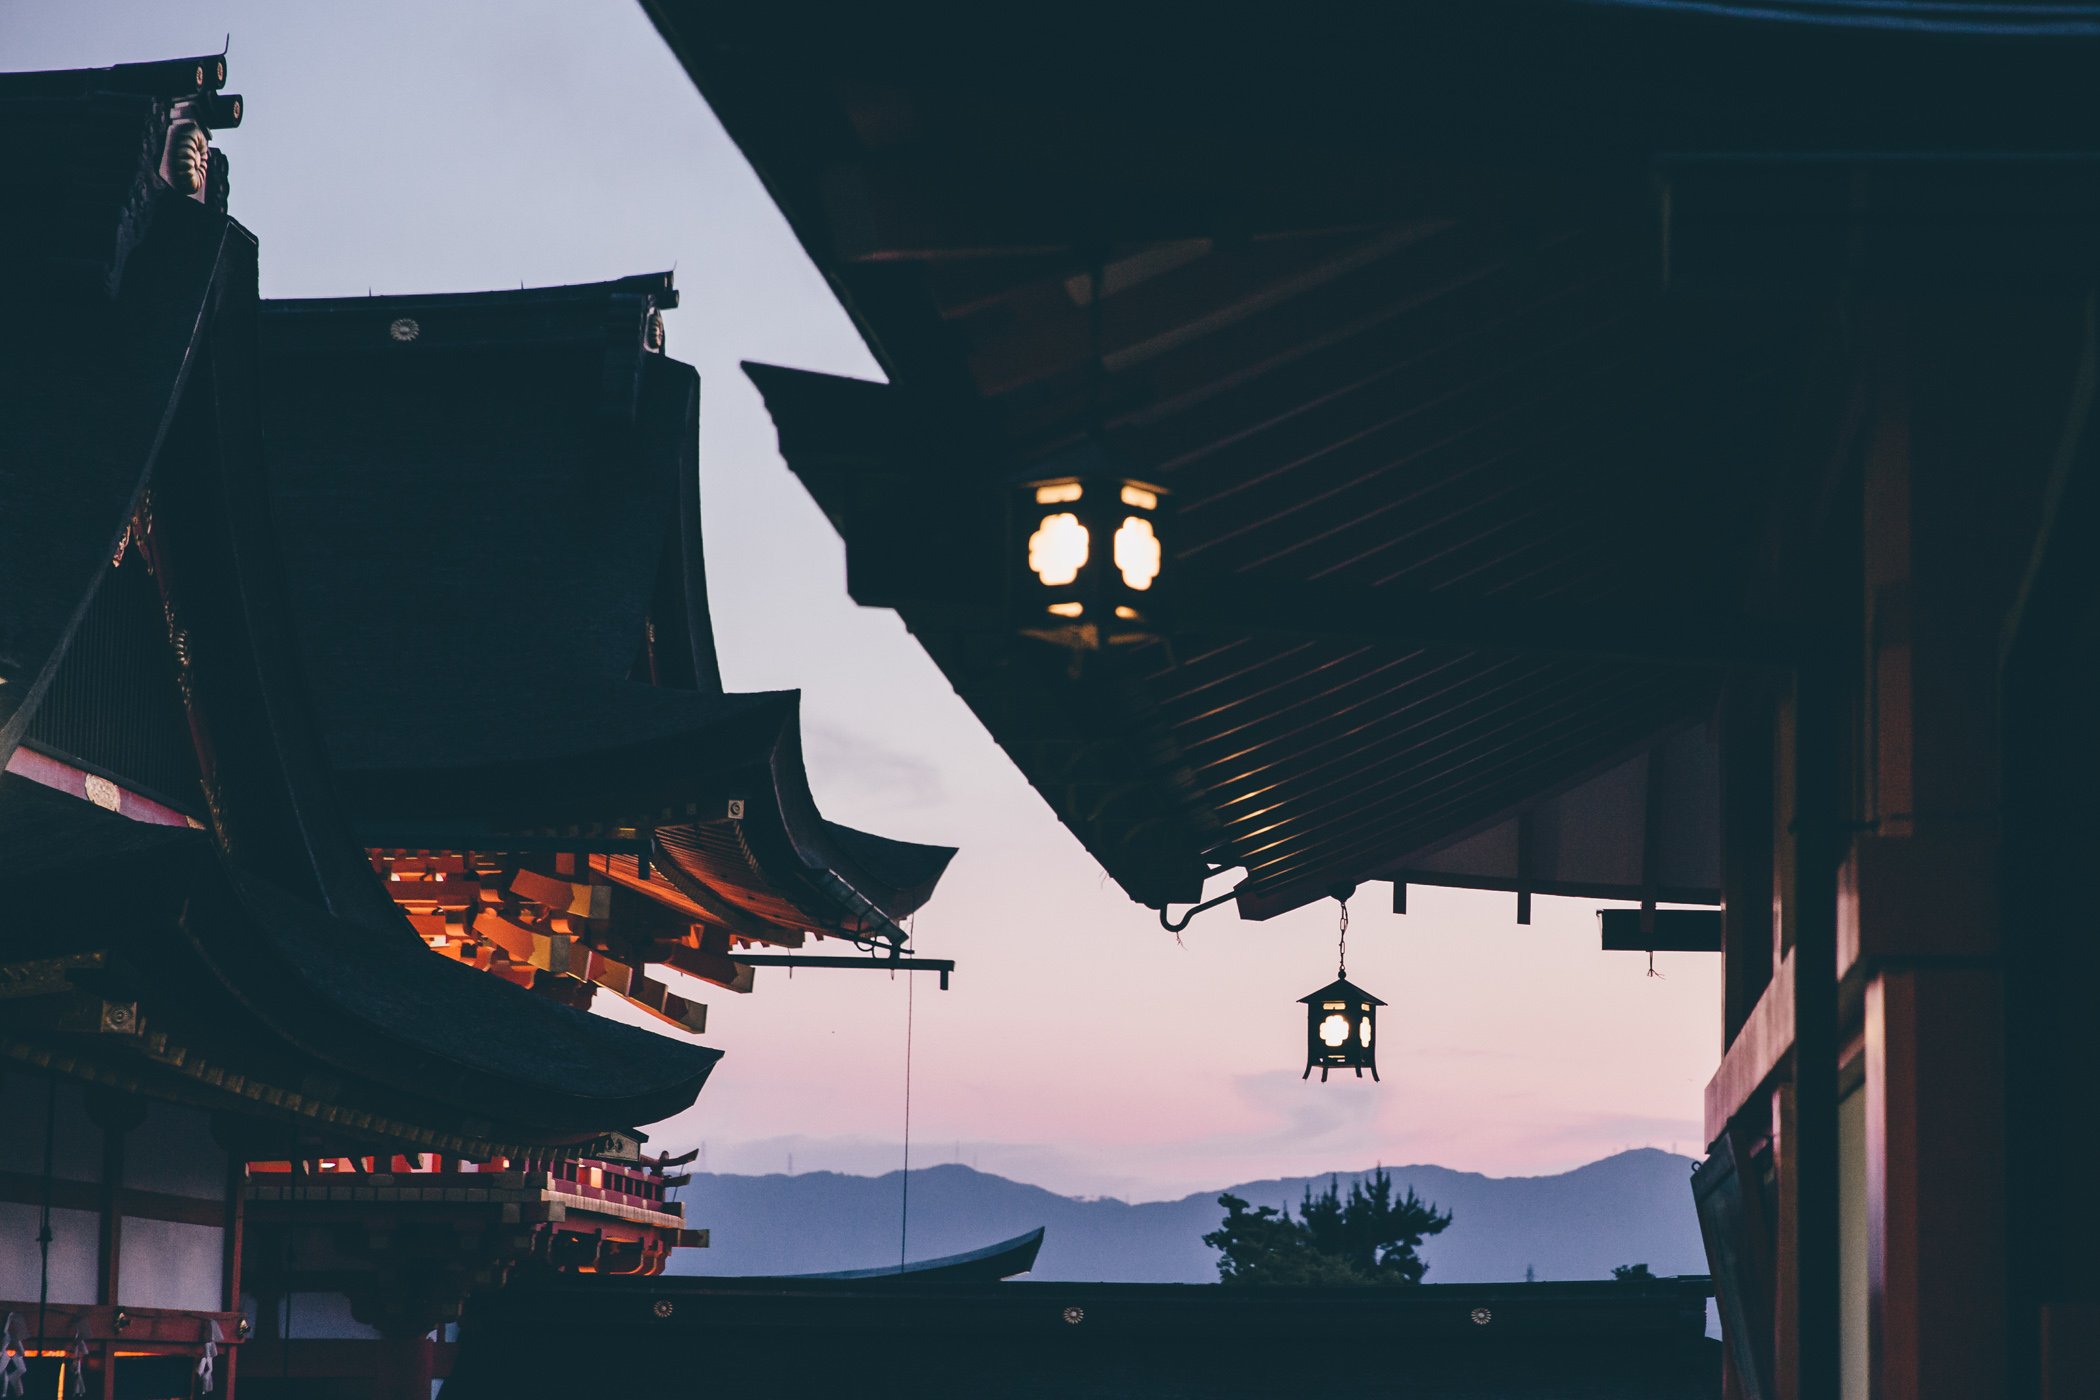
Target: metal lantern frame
(1357, 1047)
(1087, 545)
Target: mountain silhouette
(1634, 1207)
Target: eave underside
(244, 998)
(1398, 351)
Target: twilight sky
(462, 146)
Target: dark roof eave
(227, 960)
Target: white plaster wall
(326, 1315)
(164, 1264)
(74, 1251)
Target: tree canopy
(1366, 1237)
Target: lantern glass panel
(1087, 562)
(1058, 549)
(1339, 1029)
(1137, 553)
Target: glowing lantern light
(1338, 1029)
(1341, 1017)
(1091, 551)
(1057, 551)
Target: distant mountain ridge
(1634, 1207)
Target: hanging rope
(904, 1214)
(284, 1281)
(43, 1229)
(911, 985)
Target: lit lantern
(1088, 552)
(1341, 1029)
(1341, 1019)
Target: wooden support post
(1936, 1183)
(1748, 944)
(1525, 841)
(228, 1362)
(405, 1370)
(1786, 1350)
(110, 1245)
(1812, 1149)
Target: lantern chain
(1341, 956)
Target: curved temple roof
(491, 525)
(186, 914)
(252, 992)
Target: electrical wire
(911, 984)
(43, 1230)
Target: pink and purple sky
(419, 147)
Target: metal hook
(1177, 925)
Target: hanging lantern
(1341, 1019)
(1087, 552)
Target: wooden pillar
(110, 1243)
(236, 1229)
(1935, 1183)
(1747, 945)
(1955, 446)
(1786, 1352)
(1811, 1154)
(405, 1369)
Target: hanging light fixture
(1086, 541)
(1341, 1018)
(1086, 535)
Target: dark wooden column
(1951, 485)
(1935, 1183)
(1747, 944)
(2051, 957)
(236, 1222)
(1810, 1149)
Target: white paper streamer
(77, 1358)
(206, 1362)
(14, 1355)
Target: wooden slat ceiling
(1382, 323)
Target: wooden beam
(1665, 931)
(718, 968)
(549, 952)
(631, 983)
(944, 966)
(579, 901)
(1755, 1055)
